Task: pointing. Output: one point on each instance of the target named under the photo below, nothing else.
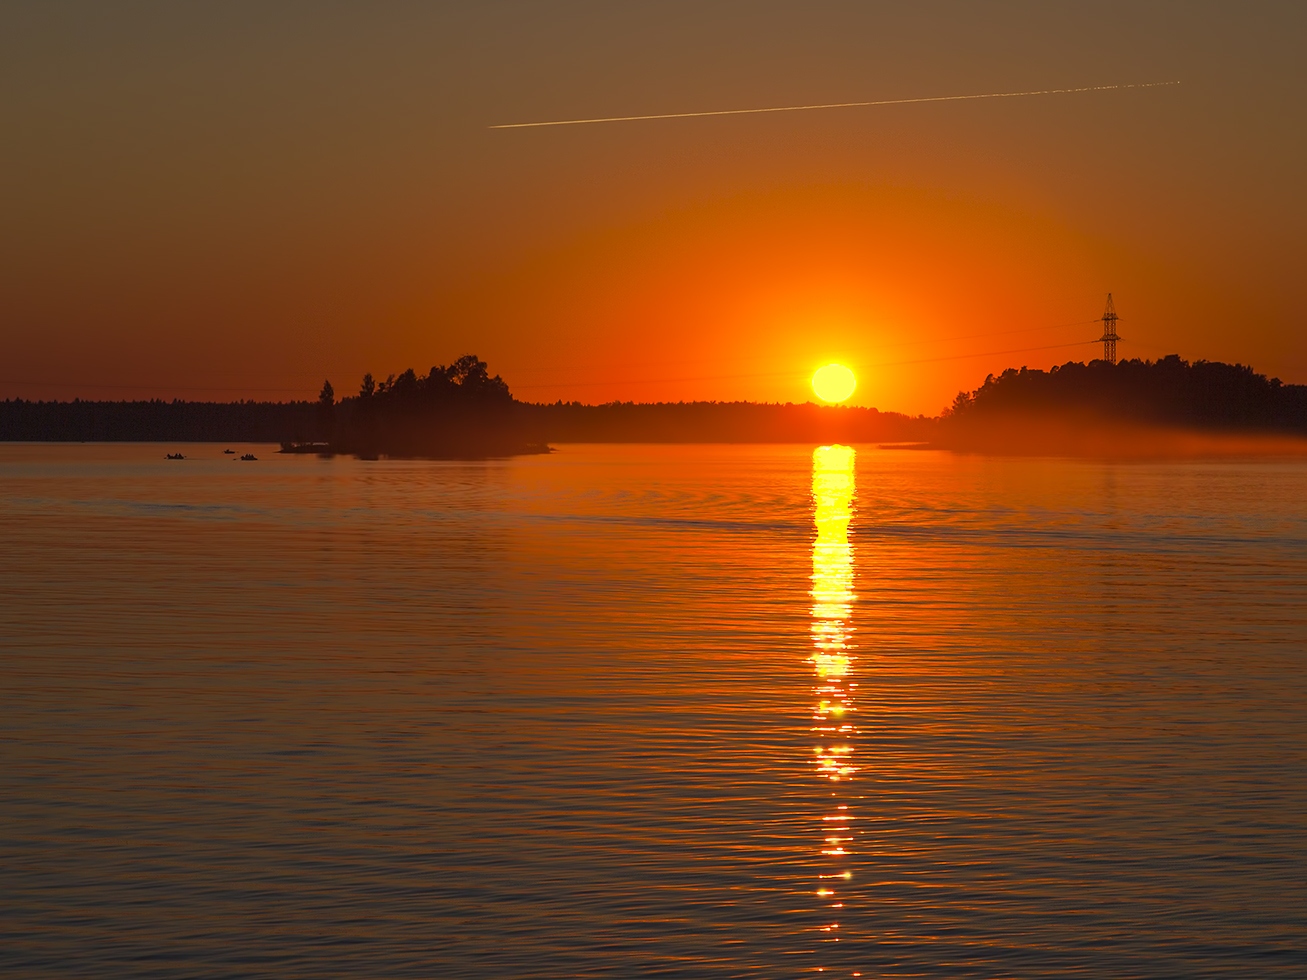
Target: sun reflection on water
(833, 471)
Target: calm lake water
(705, 711)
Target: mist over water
(622, 711)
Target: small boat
(229, 452)
(174, 456)
(249, 456)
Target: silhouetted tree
(326, 411)
(960, 403)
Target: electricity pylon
(1109, 337)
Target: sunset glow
(536, 490)
(834, 383)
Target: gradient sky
(223, 200)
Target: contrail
(828, 105)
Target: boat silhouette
(174, 456)
(229, 452)
(249, 456)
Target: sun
(834, 383)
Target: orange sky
(232, 201)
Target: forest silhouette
(1170, 391)
(461, 410)
(1132, 406)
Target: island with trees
(1099, 406)
(461, 410)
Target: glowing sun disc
(834, 383)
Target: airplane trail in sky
(829, 105)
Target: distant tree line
(461, 410)
(1168, 392)
(157, 421)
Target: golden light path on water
(833, 473)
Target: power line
(307, 390)
(783, 374)
(997, 333)
(991, 353)
(854, 351)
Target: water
(651, 711)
